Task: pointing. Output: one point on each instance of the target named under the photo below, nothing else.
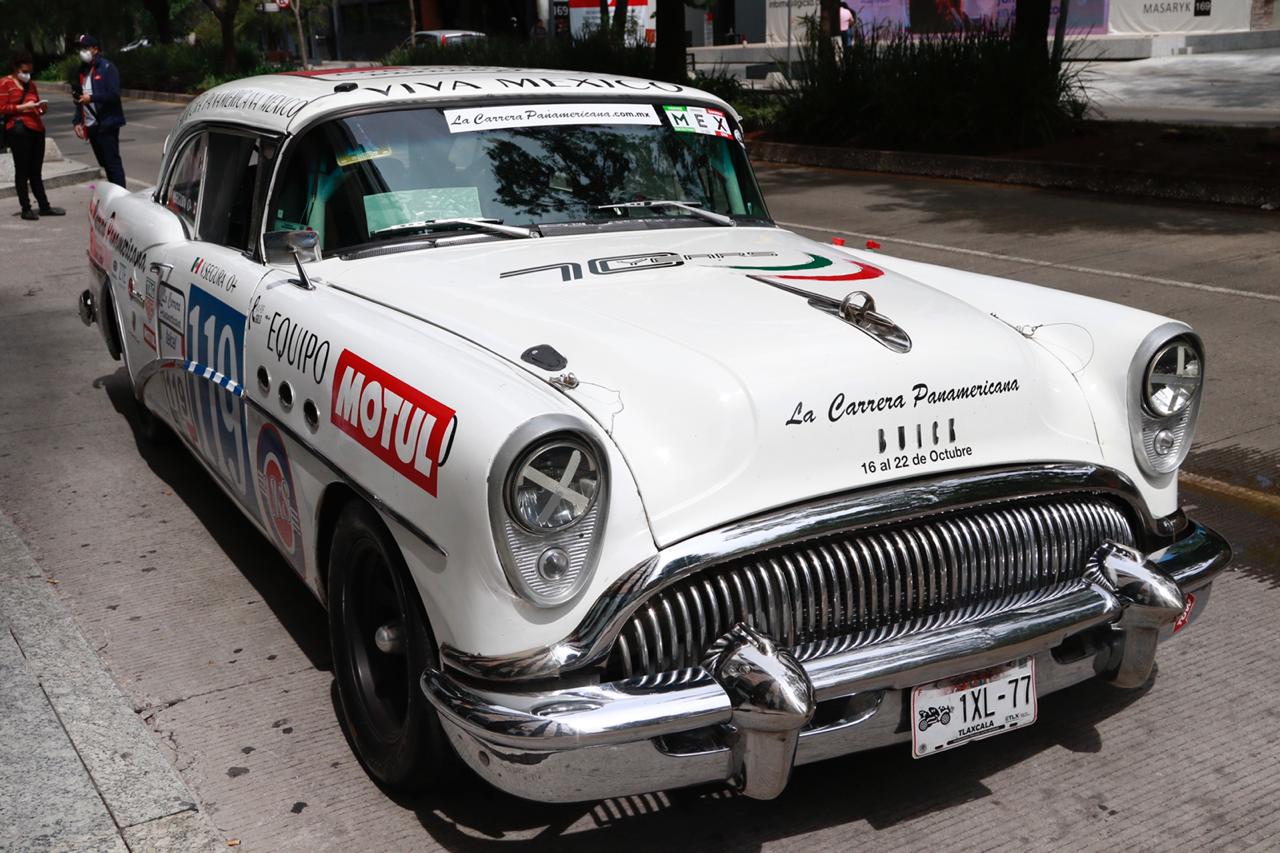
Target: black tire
(395, 731)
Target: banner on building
(584, 17)
(1177, 16)
(776, 27)
(881, 15)
(1084, 17)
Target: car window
(182, 193)
(226, 208)
(370, 177)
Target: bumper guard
(608, 739)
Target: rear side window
(227, 203)
(182, 193)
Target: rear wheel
(150, 428)
(381, 645)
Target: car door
(204, 293)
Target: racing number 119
(219, 420)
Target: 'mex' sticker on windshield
(699, 120)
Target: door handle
(162, 270)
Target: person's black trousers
(27, 147)
(106, 147)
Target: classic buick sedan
(608, 483)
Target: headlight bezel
(519, 547)
(1146, 424)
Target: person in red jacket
(20, 109)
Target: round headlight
(1173, 378)
(553, 486)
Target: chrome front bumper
(749, 716)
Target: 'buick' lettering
(394, 421)
(300, 348)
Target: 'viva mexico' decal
(394, 421)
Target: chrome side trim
(590, 642)
(152, 368)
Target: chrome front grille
(869, 584)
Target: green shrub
(170, 67)
(974, 91)
(61, 70)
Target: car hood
(728, 396)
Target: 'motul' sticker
(540, 115)
(699, 120)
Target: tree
(669, 58)
(225, 12)
(1031, 27)
(619, 21)
(829, 18)
(162, 17)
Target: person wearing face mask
(99, 115)
(20, 110)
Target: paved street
(224, 655)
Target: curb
(136, 797)
(1256, 500)
(1069, 176)
(66, 179)
(136, 94)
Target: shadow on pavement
(1029, 211)
(253, 555)
(884, 787)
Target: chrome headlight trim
(520, 546)
(1161, 442)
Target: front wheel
(381, 644)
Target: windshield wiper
(687, 206)
(494, 226)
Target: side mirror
(286, 247)
(297, 247)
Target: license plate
(956, 711)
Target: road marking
(1257, 499)
(1167, 282)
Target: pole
(789, 42)
(302, 39)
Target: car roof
(282, 103)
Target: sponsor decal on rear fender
(277, 496)
(402, 426)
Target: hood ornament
(858, 309)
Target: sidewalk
(1222, 88)
(58, 171)
(78, 769)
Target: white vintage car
(609, 483)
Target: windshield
(387, 175)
